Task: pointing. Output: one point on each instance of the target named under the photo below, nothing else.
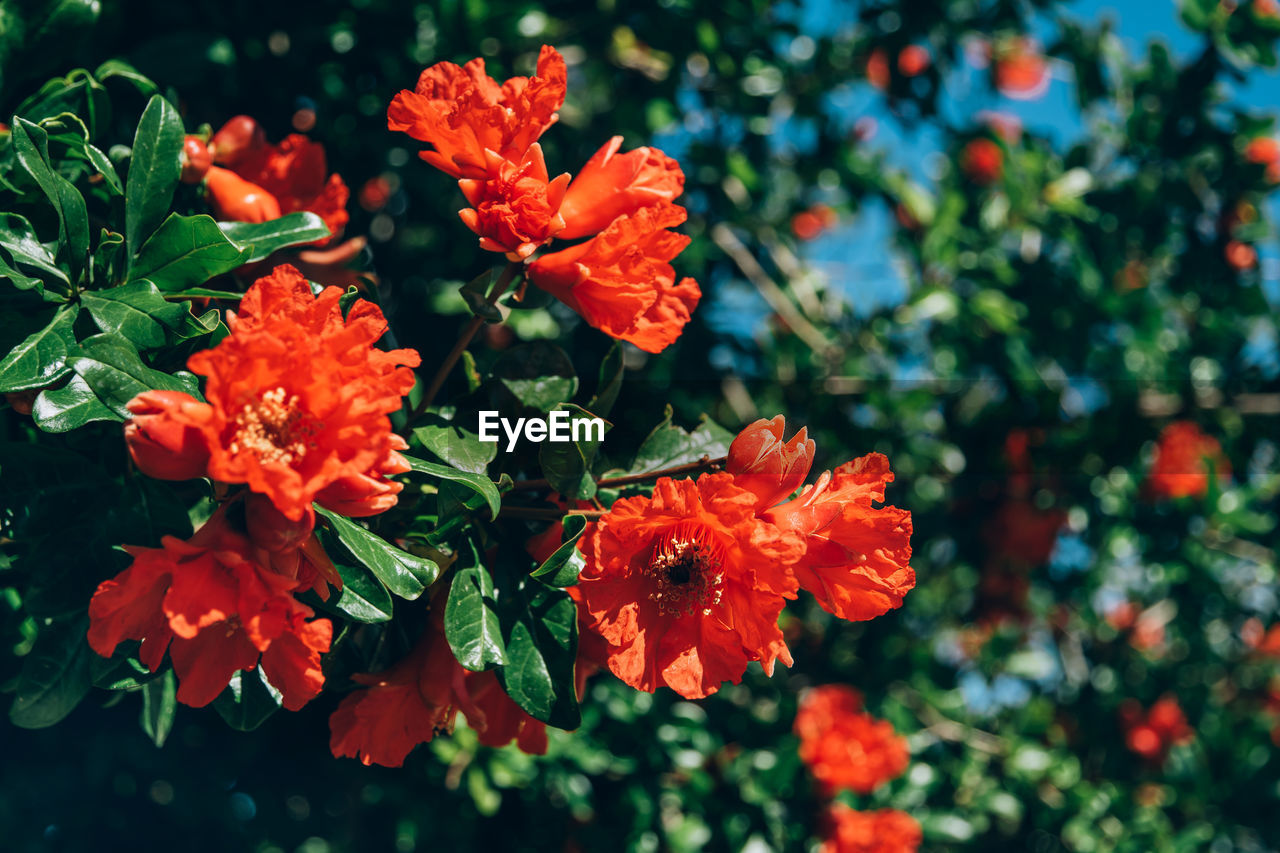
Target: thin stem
(706, 463)
(537, 513)
(464, 340)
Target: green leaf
(669, 445)
(363, 596)
(70, 407)
(112, 368)
(405, 574)
(204, 293)
(78, 93)
(41, 359)
(106, 258)
(455, 446)
(470, 616)
(68, 130)
(31, 145)
(153, 171)
(261, 239)
(563, 567)
(478, 483)
(19, 238)
(248, 700)
(186, 252)
(137, 311)
(159, 702)
(119, 69)
(55, 675)
(567, 464)
(611, 372)
(539, 375)
(541, 631)
(476, 294)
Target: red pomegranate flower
(847, 830)
(687, 586)
(273, 180)
(500, 720)
(1182, 461)
(404, 706)
(297, 406)
(763, 464)
(462, 113)
(1020, 70)
(218, 603)
(982, 162)
(844, 748)
(621, 282)
(612, 185)
(515, 210)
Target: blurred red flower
(218, 603)
(845, 748)
(1020, 70)
(814, 222)
(463, 112)
(847, 830)
(1182, 461)
(1153, 733)
(275, 180)
(982, 162)
(686, 586)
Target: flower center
(686, 570)
(273, 428)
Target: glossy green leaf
(24, 247)
(139, 312)
(612, 369)
(41, 359)
(478, 483)
(55, 676)
(669, 445)
(456, 446)
(186, 251)
(31, 144)
(567, 464)
(539, 375)
(405, 574)
(248, 700)
(363, 597)
(540, 629)
(159, 702)
(153, 171)
(470, 615)
(563, 567)
(70, 407)
(261, 239)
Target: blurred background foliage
(1012, 324)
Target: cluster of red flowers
(913, 60)
(686, 586)
(1019, 69)
(1183, 460)
(296, 405)
(1153, 733)
(619, 279)
(847, 749)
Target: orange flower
(297, 407)
(913, 60)
(281, 179)
(218, 604)
(620, 281)
(982, 162)
(1020, 533)
(500, 720)
(687, 586)
(1240, 256)
(1182, 460)
(844, 748)
(878, 69)
(1152, 734)
(611, 185)
(856, 560)
(884, 831)
(516, 209)
(814, 222)
(1020, 70)
(1263, 150)
(462, 113)
(763, 464)
(404, 706)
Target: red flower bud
(1241, 256)
(766, 466)
(235, 199)
(270, 529)
(196, 160)
(913, 60)
(164, 436)
(239, 140)
(982, 162)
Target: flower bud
(163, 435)
(236, 200)
(359, 495)
(240, 140)
(763, 464)
(196, 160)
